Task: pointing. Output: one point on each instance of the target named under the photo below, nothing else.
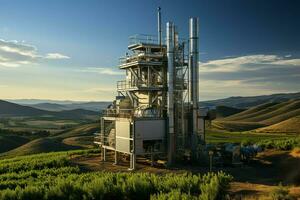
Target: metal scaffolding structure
(156, 110)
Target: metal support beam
(132, 161)
(116, 158)
(170, 55)
(103, 154)
(194, 81)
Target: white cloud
(102, 70)
(16, 54)
(56, 56)
(288, 62)
(106, 89)
(247, 63)
(249, 75)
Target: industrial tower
(156, 111)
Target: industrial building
(156, 111)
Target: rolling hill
(48, 106)
(291, 125)
(12, 109)
(268, 113)
(9, 142)
(225, 111)
(91, 106)
(74, 138)
(264, 117)
(41, 145)
(8, 109)
(248, 102)
(56, 105)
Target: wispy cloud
(106, 89)
(247, 63)
(102, 70)
(56, 56)
(249, 75)
(16, 54)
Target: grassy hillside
(81, 130)
(269, 113)
(73, 138)
(9, 142)
(42, 145)
(225, 111)
(261, 116)
(235, 125)
(291, 125)
(244, 137)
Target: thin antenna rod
(159, 25)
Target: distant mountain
(39, 101)
(93, 106)
(48, 106)
(8, 109)
(247, 102)
(53, 105)
(12, 109)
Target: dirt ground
(254, 180)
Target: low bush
(280, 144)
(280, 193)
(51, 176)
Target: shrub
(50, 176)
(280, 193)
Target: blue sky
(69, 49)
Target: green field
(54, 176)
(34, 124)
(239, 137)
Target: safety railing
(118, 113)
(125, 84)
(140, 56)
(143, 39)
(137, 84)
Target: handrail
(143, 39)
(134, 84)
(138, 56)
(118, 112)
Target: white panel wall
(123, 145)
(150, 129)
(123, 128)
(123, 135)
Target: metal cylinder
(194, 77)
(159, 25)
(170, 56)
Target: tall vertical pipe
(194, 77)
(159, 25)
(170, 56)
